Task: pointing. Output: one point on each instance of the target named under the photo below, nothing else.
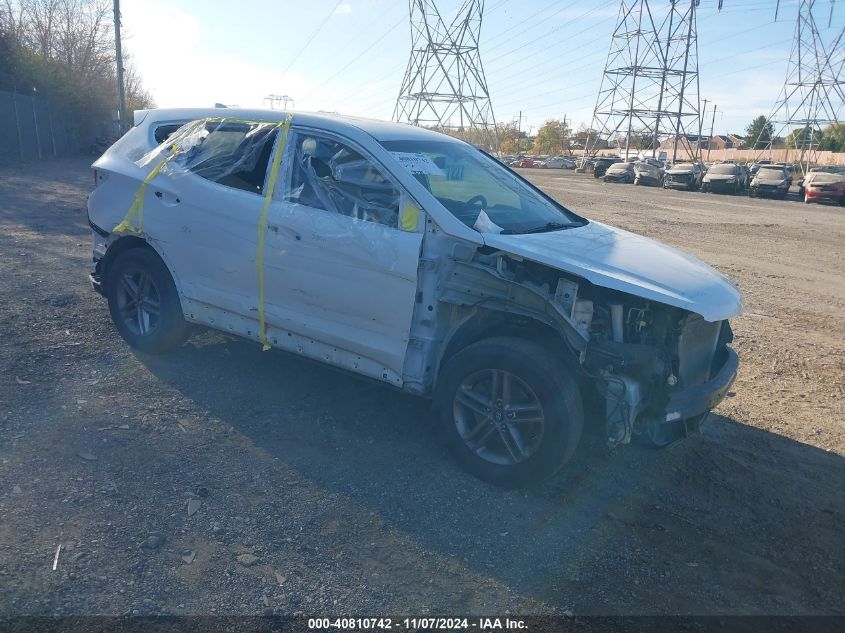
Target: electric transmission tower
(444, 86)
(812, 97)
(649, 89)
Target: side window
(233, 154)
(163, 132)
(327, 174)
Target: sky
(543, 58)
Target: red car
(525, 162)
(826, 187)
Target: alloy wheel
(498, 416)
(138, 301)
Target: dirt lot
(221, 479)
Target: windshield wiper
(548, 226)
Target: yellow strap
(137, 208)
(262, 226)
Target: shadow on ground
(643, 529)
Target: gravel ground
(220, 479)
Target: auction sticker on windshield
(418, 163)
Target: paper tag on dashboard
(418, 163)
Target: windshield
(478, 190)
(619, 167)
(723, 169)
(771, 172)
(686, 166)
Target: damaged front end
(659, 369)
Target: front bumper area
(630, 408)
(686, 183)
(769, 191)
(720, 186)
(699, 399)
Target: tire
(537, 382)
(127, 277)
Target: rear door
(204, 213)
(341, 255)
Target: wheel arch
(125, 243)
(480, 324)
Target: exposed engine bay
(638, 353)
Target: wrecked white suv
(417, 260)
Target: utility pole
(118, 56)
(519, 134)
(700, 121)
(564, 139)
(712, 125)
(444, 80)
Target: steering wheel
(479, 200)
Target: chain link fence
(31, 128)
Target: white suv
(415, 259)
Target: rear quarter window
(163, 132)
(232, 154)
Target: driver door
(339, 267)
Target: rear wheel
(511, 414)
(144, 303)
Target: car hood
(680, 172)
(623, 261)
(720, 176)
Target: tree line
(556, 137)
(63, 50)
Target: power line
(375, 43)
(311, 37)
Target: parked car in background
(684, 176)
(756, 166)
(560, 162)
(815, 171)
(620, 172)
(825, 186)
(601, 163)
(414, 259)
(771, 181)
(648, 175)
(725, 178)
(524, 162)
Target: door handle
(167, 199)
(283, 230)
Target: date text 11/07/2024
(416, 624)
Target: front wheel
(511, 413)
(144, 303)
